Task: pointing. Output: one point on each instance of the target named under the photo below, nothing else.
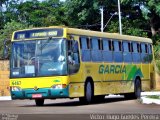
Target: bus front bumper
(45, 93)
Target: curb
(145, 100)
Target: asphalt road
(67, 109)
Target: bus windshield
(39, 58)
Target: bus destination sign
(38, 33)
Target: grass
(154, 96)
(157, 66)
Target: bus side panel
(97, 77)
(76, 86)
(145, 80)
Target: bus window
(150, 52)
(138, 48)
(117, 51)
(146, 48)
(144, 54)
(116, 46)
(125, 47)
(100, 44)
(127, 55)
(73, 57)
(149, 48)
(88, 43)
(110, 45)
(95, 51)
(131, 47)
(83, 42)
(135, 53)
(135, 48)
(143, 48)
(85, 49)
(106, 44)
(120, 45)
(95, 45)
(106, 52)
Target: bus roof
(91, 33)
(116, 36)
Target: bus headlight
(15, 88)
(59, 86)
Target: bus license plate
(36, 95)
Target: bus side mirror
(6, 49)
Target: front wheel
(88, 97)
(39, 102)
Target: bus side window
(149, 48)
(110, 45)
(144, 56)
(130, 47)
(120, 45)
(85, 49)
(117, 51)
(127, 54)
(143, 48)
(96, 50)
(146, 48)
(138, 48)
(107, 50)
(100, 44)
(135, 53)
(89, 45)
(140, 45)
(150, 55)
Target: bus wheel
(138, 89)
(39, 102)
(87, 99)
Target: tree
(7, 11)
(40, 14)
(150, 10)
(82, 12)
(6, 33)
(130, 27)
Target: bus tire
(39, 102)
(88, 97)
(137, 88)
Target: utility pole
(102, 24)
(120, 23)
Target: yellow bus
(60, 62)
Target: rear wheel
(39, 102)
(88, 97)
(138, 89)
